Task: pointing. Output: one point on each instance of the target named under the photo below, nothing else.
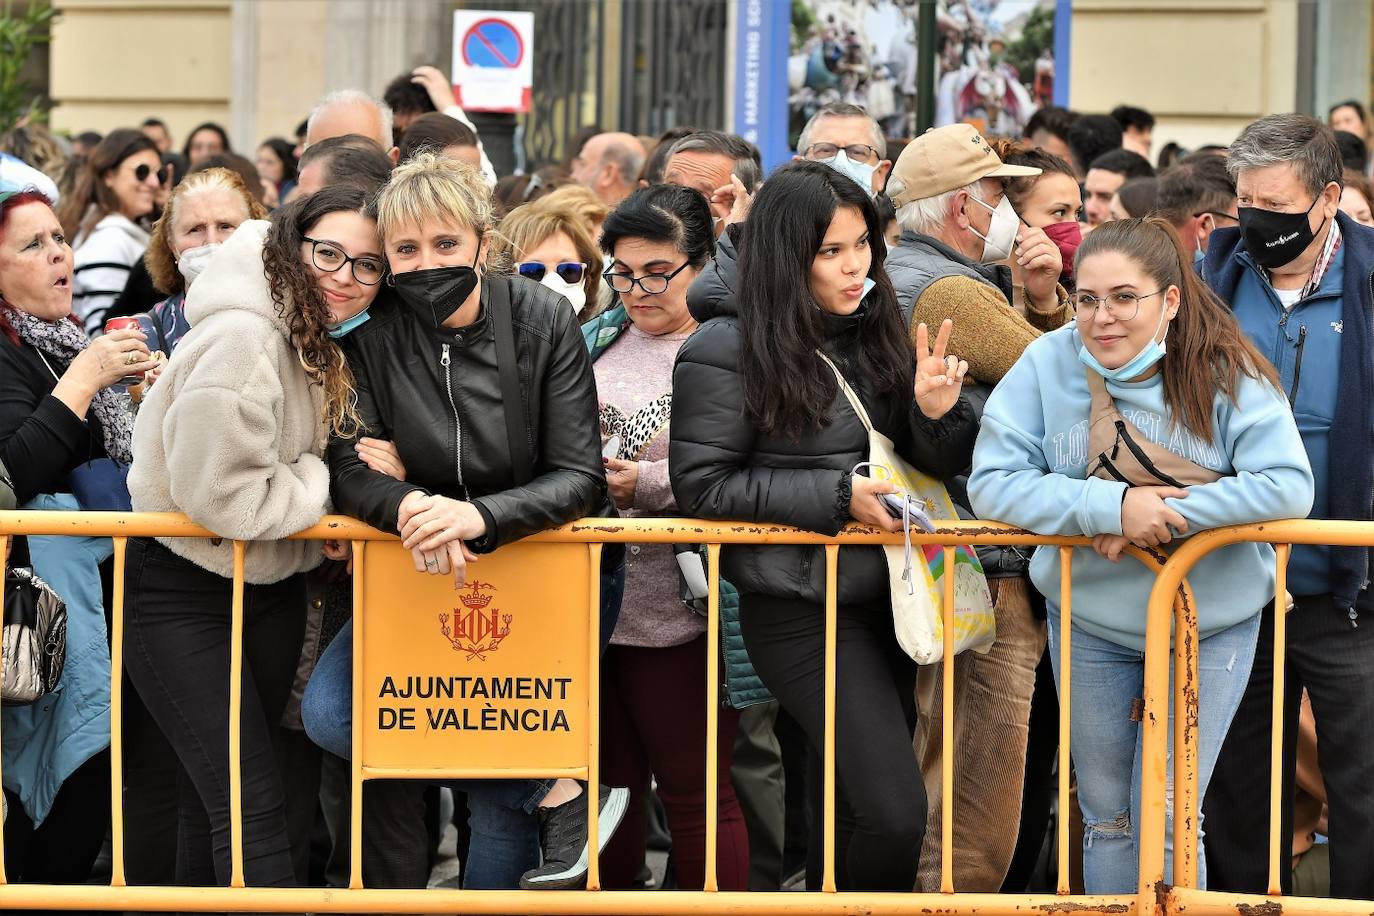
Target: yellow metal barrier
(593, 533)
(1181, 894)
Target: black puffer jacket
(437, 395)
(722, 467)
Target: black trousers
(1334, 662)
(63, 848)
(881, 802)
(177, 644)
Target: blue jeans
(502, 812)
(1106, 742)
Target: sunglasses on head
(144, 170)
(569, 272)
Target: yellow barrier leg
(947, 729)
(236, 723)
(1065, 701)
(832, 577)
(594, 721)
(712, 713)
(355, 814)
(1276, 800)
(1185, 743)
(117, 717)
(4, 554)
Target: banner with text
(492, 675)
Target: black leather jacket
(437, 395)
(722, 467)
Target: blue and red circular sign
(493, 43)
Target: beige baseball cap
(945, 159)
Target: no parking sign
(492, 65)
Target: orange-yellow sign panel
(493, 675)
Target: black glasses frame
(350, 261)
(623, 283)
(143, 170)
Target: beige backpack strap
(1103, 402)
(848, 392)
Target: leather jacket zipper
(457, 421)
(1143, 458)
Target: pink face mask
(1066, 237)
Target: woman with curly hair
(233, 435)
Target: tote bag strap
(848, 392)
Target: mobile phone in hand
(915, 510)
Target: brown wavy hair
(301, 304)
(1207, 352)
(161, 262)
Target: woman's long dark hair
(301, 304)
(1208, 352)
(787, 389)
(90, 200)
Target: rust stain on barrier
(1068, 906)
(1273, 908)
(980, 531)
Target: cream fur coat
(232, 434)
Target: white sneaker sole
(576, 876)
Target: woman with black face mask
(484, 384)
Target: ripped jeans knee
(1117, 827)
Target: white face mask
(576, 293)
(193, 261)
(1001, 237)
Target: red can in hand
(119, 324)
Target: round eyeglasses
(1122, 305)
(329, 257)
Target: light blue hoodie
(1029, 470)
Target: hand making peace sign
(938, 377)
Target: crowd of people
(370, 320)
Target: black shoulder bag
(508, 365)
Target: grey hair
(629, 160)
(747, 160)
(928, 215)
(1302, 141)
(843, 110)
(353, 97)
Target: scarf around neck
(62, 340)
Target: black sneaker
(563, 840)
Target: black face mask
(1275, 239)
(435, 294)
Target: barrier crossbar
(594, 533)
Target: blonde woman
(434, 355)
(233, 435)
(549, 244)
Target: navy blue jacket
(1352, 432)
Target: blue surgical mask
(349, 324)
(861, 173)
(868, 282)
(1136, 366)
